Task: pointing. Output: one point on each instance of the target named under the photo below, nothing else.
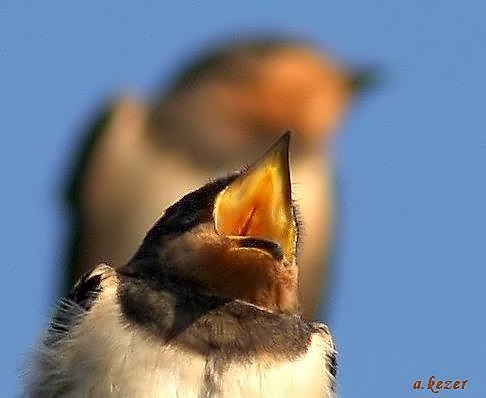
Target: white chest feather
(114, 360)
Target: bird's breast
(108, 355)
(144, 369)
(121, 361)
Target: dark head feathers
(194, 208)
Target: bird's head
(235, 237)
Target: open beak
(256, 208)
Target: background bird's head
(236, 98)
(235, 237)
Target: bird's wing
(45, 375)
(329, 352)
(80, 299)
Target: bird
(223, 108)
(208, 305)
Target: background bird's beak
(258, 203)
(361, 80)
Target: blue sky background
(409, 291)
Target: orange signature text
(434, 385)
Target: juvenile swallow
(207, 307)
(222, 109)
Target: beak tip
(282, 146)
(286, 138)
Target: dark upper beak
(363, 79)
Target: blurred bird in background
(223, 109)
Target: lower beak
(258, 204)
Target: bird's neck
(266, 284)
(191, 320)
